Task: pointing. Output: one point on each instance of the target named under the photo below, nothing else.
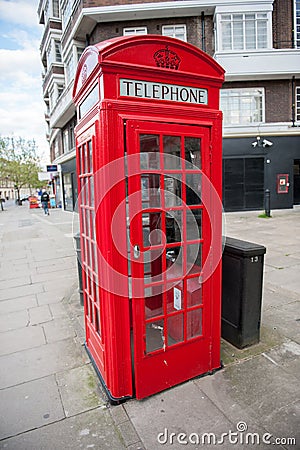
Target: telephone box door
(169, 243)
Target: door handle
(136, 251)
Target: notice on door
(177, 298)
(162, 91)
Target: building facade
(256, 41)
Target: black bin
(242, 281)
(79, 267)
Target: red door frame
(171, 365)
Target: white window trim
(244, 9)
(241, 90)
(182, 25)
(127, 31)
(297, 104)
(296, 41)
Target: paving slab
(94, 429)
(285, 319)
(182, 409)
(21, 339)
(13, 320)
(29, 406)
(21, 291)
(39, 314)
(41, 361)
(80, 390)
(18, 304)
(58, 329)
(16, 281)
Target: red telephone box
(149, 166)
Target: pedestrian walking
(45, 199)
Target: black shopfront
(249, 170)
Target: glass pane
(194, 292)
(150, 187)
(153, 265)
(90, 151)
(192, 150)
(155, 336)
(174, 297)
(174, 262)
(171, 149)
(194, 323)
(149, 148)
(193, 224)
(194, 258)
(151, 229)
(193, 189)
(173, 226)
(153, 301)
(173, 191)
(175, 329)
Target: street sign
(52, 168)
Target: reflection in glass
(194, 323)
(149, 151)
(194, 258)
(175, 329)
(193, 224)
(173, 191)
(171, 149)
(90, 153)
(153, 301)
(173, 226)
(151, 229)
(193, 188)
(154, 336)
(152, 265)
(192, 149)
(194, 292)
(150, 187)
(174, 262)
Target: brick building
(256, 41)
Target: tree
(19, 163)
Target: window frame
(296, 23)
(297, 104)
(129, 31)
(241, 94)
(174, 26)
(220, 21)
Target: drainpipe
(293, 102)
(203, 31)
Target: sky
(22, 107)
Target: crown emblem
(167, 58)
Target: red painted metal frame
(101, 68)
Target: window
(298, 104)
(175, 31)
(134, 30)
(55, 7)
(242, 106)
(66, 13)
(297, 23)
(70, 67)
(68, 136)
(57, 51)
(244, 31)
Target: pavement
(50, 396)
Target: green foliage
(19, 162)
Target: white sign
(177, 298)
(161, 91)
